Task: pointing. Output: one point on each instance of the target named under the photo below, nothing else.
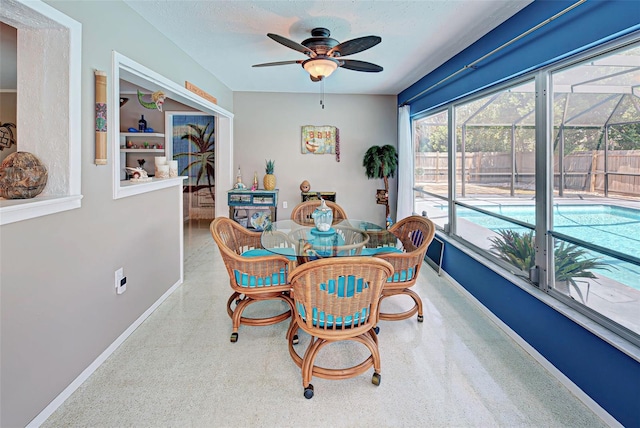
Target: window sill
(603, 332)
(14, 210)
(127, 188)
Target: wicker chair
(415, 233)
(336, 299)
(255, 276)
(301, 213)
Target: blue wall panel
(589, 24)
(608, 376)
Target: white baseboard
(564, 380)
(66, 393)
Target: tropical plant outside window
(594, 208)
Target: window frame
(544, 194)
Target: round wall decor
(22, 176)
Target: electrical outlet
(120, 281)
(284, 204)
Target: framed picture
(382, 197)
(319, 140)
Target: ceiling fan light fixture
(320, 67)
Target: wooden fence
(582, 171)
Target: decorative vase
(269, 182)
(323, 217)
(255, 181)
(22, 176)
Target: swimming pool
(615, 228)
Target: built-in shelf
(139, 140)
(141, 134)
(142, 150)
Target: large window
(577, 237)
(495, 162)
(495, 141)
(431, 170)
(596, 158)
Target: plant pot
(562, 287)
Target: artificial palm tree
(202, 159)
(381, 162)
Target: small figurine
(138, 174)
(157, 100)
(239, 185)
(389, 222)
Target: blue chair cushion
(251, 281)
(341, 289)
(403, 275)
(379, 250)
(259, 252)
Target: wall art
(157, 100)
(321, 140)
(7, 137)
(101, 117)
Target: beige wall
(59, 310)
(58, 306)
(268, 126)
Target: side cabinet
(253, 209)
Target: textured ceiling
(227, 37)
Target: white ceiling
(227, 37)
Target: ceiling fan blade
(354, 46)
(352, 64)
(269, 64)
(291, 44)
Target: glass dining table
(345, 238)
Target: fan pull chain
(322, 93)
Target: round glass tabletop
(345, 238)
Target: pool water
(615, 228)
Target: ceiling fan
(325, 54)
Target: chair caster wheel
(420, 318)
(308, 392)
(234, 337)
(376, 329)
(376, 379)
(295, 340)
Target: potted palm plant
(570, 261)
(381, 162)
